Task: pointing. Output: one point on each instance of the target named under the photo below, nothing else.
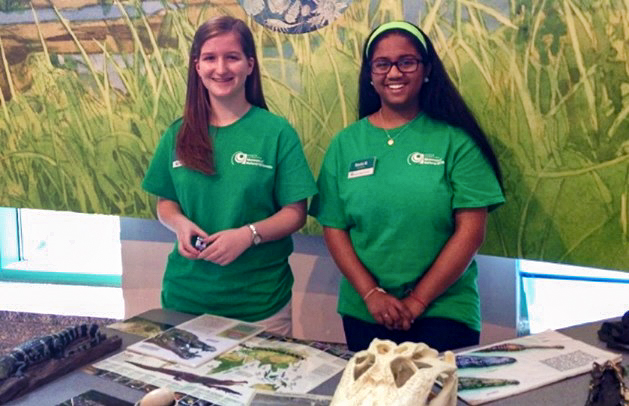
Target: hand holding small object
(225, 246)
(187, 233)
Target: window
(60, 247)
(559, 295)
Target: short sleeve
(158, 179)
(327, 206)
(474, 183)
(294, 180)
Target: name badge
(363, 167)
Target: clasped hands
(223, 247)
(393, 313)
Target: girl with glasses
(232, 183)
(403, 199)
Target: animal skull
(400, 375)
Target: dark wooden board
(42, 373)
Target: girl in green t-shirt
(403, 199)
(232, 183)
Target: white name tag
(362, 167)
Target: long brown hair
(194, 146)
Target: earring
(371, 82)
(426, 80)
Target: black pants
(438, 333)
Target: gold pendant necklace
(390, 140)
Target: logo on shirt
(177, 163)
(242, 158)
(417, 158)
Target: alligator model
(53, 346)
(213, 383)
(180, 342)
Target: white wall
(143, 264)
(316, 283)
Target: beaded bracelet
(418, 300)
(372, 290)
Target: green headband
(396, 25)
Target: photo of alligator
(184, 344)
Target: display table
(569, 392)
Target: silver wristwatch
(255, 237)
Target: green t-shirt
(260, 167)
(400, 217)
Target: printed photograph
(140, 326)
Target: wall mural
(87, 87)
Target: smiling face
(397, 90)
(223, 68)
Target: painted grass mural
(86, 92)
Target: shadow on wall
(315, 291)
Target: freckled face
(397, 90)
(223, 67)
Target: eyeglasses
(407, 64)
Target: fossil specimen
(400, 375)
(606, 386)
